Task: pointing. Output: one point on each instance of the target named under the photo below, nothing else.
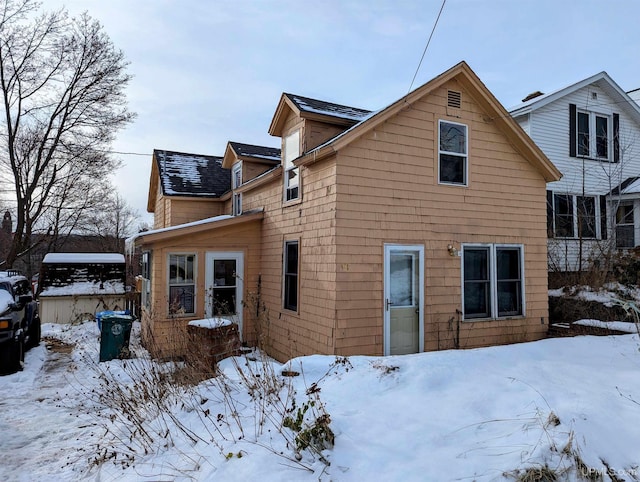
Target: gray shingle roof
(258, 152)
(305, 104)
(183, 174)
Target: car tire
(35, 332)
(18, 355)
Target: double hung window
(291, 268)
(452, 153)
(291, 172)
(182, 283)
(493, 281)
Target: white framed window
(291, 268)
(182, 285)
(291, 172)
(145, 295)
(236, 175)
(593, 135)
(625, 226)
(492, 281)
(573, 216)
(452, 153)
(237, 204)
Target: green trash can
(115, 332)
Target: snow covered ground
(571, 405)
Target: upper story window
(236, 175)
(291, 172)
(237, 204)
(452, 153)
(593, 135)
(182, 286)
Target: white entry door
(224, 285)
(403, 299)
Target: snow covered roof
(315, 106)
(83, 258)
(631, 185)
(183, 174)
(258, 152)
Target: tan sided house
(421, 226)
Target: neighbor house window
(452, 153)
(145, 295)
(593, 135)
(572, 216)
(625, 237)
(182, 283)
(291, 172)
(291, 269)
(493, 281)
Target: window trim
(492, 249)
(236, 204)
(194, 284)
(235, 170)
(287, 165)
(575, 216)
(286, 243)
(456, 154)
(145, 273)
(626, 203)
(613, 132)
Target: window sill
(293, 202)
(501, 318)
(453, 184)
(287, 312)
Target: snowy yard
(568, 405)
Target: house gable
(474, 87)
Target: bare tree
(110, 222)
(62, 84)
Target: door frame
(386, 313)
(238, 256)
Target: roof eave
(144, 239)
(280, 116)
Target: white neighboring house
(591, 132)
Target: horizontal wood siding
(189, 210)
(388, 193)
(312, 221)
(316, 133)
(166, 329)
(253, 169)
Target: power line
(427, 46)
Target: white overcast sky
(210, 71)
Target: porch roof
(191, 228)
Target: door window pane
(403, 285)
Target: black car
(19, 321)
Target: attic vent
(454, 99)
(594, 95)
